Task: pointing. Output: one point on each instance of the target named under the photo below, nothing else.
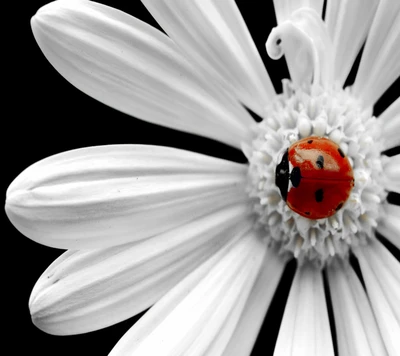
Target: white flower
(202, 240)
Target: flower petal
(308, 49)
(356, 327)
(87, 290)
(381, 273)
(245, 335)
(389, 226)
(213, 35)
(392, 173)
(199, 311)
(305, 326)
(284, 8)
(380, 61)
(391, 125)
(132, 67)
(348, 25)
(109, 195)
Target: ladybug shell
(321, 175)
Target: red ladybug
(320, 174)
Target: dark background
(45, 115)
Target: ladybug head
(282, 175)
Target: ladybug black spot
(341, 152)
(339, 206)
(295, 176)
(319, 195)
(310, 141)
(320, 162)
(307, 212)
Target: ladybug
(315, 177)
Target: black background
(44, 115)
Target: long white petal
(213, 35)
(305, 327)
(87, 290)
(348, 25)
(190, 319)
(392, 173)
(284, 8)
(356, 327)
(163, 307)
(133, 67)
(381, 273)
(245, 335)
(109, 195)
(389, 226)
(391, 125)
(380, 61)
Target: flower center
(331, 116)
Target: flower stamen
(298, 113)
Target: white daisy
(204, 241)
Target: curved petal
(305, 327)
(389, 226)
(213, 35)
(200, 313)
(381, 273)
(348, 25)
(356, 327)
(392, 173)
(284, 8)
(85, 290)
(109, 195)
(391, 125)
(303, 39)
(132, 67)
(245, 335)
(380, 61)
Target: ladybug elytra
(315, 177)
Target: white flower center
(298, 113)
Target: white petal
(348, 25)
(284, 8)
(213, 35)
(389, 226)
(380, 61)
(392, 173)
(381, 273)
(245, 335)
(164, 306)
(356, 327)
(197, 312)
(132, 67)
(305, 327)
(110, 195)
(391, 125)
(303, 39)
(87, 290)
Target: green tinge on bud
(87, 290)
(104, 196)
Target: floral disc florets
(298, 113)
